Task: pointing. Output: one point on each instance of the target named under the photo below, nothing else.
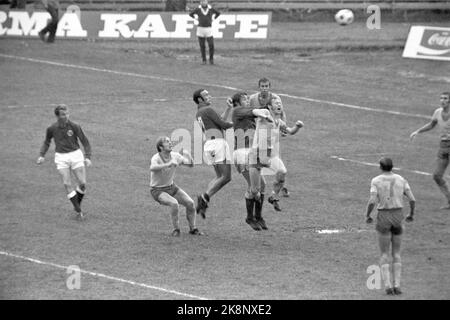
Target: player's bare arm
(293, 130)
(412, 205)
(425, 128)
(187, 158)
(162, 166)
(370, 206)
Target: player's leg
(397, 261)
(223, 176)
(201, 42)
(167, 200)
(53, 25)
(384, 242)
(71, 193)
(250, 203)
(277, 165)
(259, 204)
(438, 176)
(79, 171)
(185, 200)
(211, 49)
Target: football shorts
(390, 221)
(72, 160)
(204, 32)
(170, 190)
(216, 151)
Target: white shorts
(216, 151)
(204, 32)
(72, 160)
(276, 165)
(241, 159)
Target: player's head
(163, 144)
(445, 99)
(240, 99)
(204, 3)
(264, 85)
(62, 113)
(276, 106)
(386, 164)
(201, 95)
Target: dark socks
(258, 207)
(249, 203)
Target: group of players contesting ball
(258, 121)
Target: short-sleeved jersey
(390, 189)
(444, 126)
(257, 101)
(210, 121)
(164, 177)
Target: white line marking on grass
(377, 165)
(101, 275)
(138, 75)
(334, 231)
(82, 103)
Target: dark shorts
(390, 221)
(444, 150)
(170, 190)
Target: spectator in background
(205, 14)
(176, 5)
(18, 4)
(52, 6)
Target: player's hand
(88, 162)
(413, 135)
(369, 220)
(409, 218)
(40, 160)
(229, 102)
(299, 124)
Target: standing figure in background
(205, 14)
(441, 119)
(52, 6)
(388, 190)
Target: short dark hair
(263, 80)
(197, 95)
(446, 93)
(159, 143)
(386, 164)
(237, 98)
(59, 108)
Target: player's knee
(174, 205)
(83, 187)
(384, 259)
(438, 179)
(190, 205)
(281, 176)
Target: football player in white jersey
(162, 187)
(388, 190)
(441, 119)
(266, 148)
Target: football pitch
(359, 101)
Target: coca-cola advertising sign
(428, 43)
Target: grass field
(344, 84)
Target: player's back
(390, 188)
